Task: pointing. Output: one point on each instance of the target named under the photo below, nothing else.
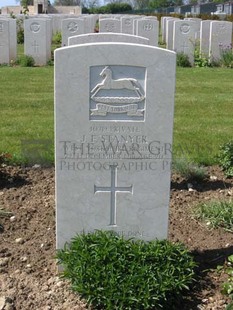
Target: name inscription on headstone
(76, 155)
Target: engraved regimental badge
(117, 93)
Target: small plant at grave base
(227, 287)
(182, 60)
(226, 56)
(111, 272)
(57, 38)
(216, 214)
(25, 61)
(188, 170)
(4, 65)
(225, 158)
(199, 60)
(50, 62)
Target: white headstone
(184, 38)
(127, 25)
(198, 26)
(170, 32)
(205, 38)
(37, 39)
(8, 40)
(13, 39)
(220, 38)
(148, 28)
(135, 24)
(71, 27)
(90, 23)
(114, 120)
(106, 37)
(56, 23)
(163, 26)
(4, 41)
(110, 25)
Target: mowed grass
(26, 107)
(203, 110)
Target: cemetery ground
(28, 271)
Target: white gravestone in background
(220, 38)
(184, 38)
(37, 39)
(71, 27)
(107, 37)
(127, 25)
(114, 124)
(148, 28)
(90, 23)
(13, 39)
(164, 26)
(4, 41)
(205, 38)
(8, 40)
(170, 32)
(197, 26)
(110, 25)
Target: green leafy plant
(188, 170)
(25, 61)
(199, 60)
(216, 214)
(12, 15)
(50, 62)
(57, 38)
(225, 158)
(227, 288)
(4, 65)
(182, 60)
(111, 272)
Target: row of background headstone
(185, 35)
(179, 35)
(140, 26)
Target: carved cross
(184, 46)
(113, 189)
(36, 47)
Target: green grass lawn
(203, 110)
(26, 106)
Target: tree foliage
(26, 3)
(89, 4)
(154, 4)
(67, 2)
(111, 8)
(140, 4)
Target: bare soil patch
(28, 271)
